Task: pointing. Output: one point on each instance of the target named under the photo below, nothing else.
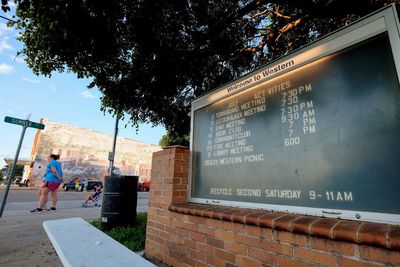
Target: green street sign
(25, 123)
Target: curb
(33, 188)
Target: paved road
(24, 200)
(23, 240)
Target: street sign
(25, 123)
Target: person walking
(52, 181)
(39, 193)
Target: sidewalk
(24, 241)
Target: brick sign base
(188, 234)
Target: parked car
(144, 186)
(92, 185)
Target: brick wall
(184, 234)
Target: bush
(170, 139)
(133, 238)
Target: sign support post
(111, 155)
(14, 167)
(25, 124)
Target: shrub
(133, 238)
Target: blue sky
(62, 98)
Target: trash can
(119, 201)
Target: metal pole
(9, 170)
(113, 147)
(14, 167)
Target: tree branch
(258, 36)
(260, 13)
(288, 27)
(271, 36)
(316, 8)
(250, 7)
(276, 12)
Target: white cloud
(31, 80)
(17, 59)
(4, 29)
(4, 45)
(52, 88)
(5, 68)
(87, 94)
(7, 37)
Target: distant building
(85, 152)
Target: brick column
(191, 234)
(169, 185)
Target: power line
(7, 19)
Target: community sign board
(315, 132)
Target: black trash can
(119, 201)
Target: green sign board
(314, 133)
(25, 123)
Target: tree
(4, 5)
(151, 58)
(169, 139)
(18, 171)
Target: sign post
(25, 124)
(111, 155)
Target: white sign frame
(384, 20)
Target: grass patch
(133, 238)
